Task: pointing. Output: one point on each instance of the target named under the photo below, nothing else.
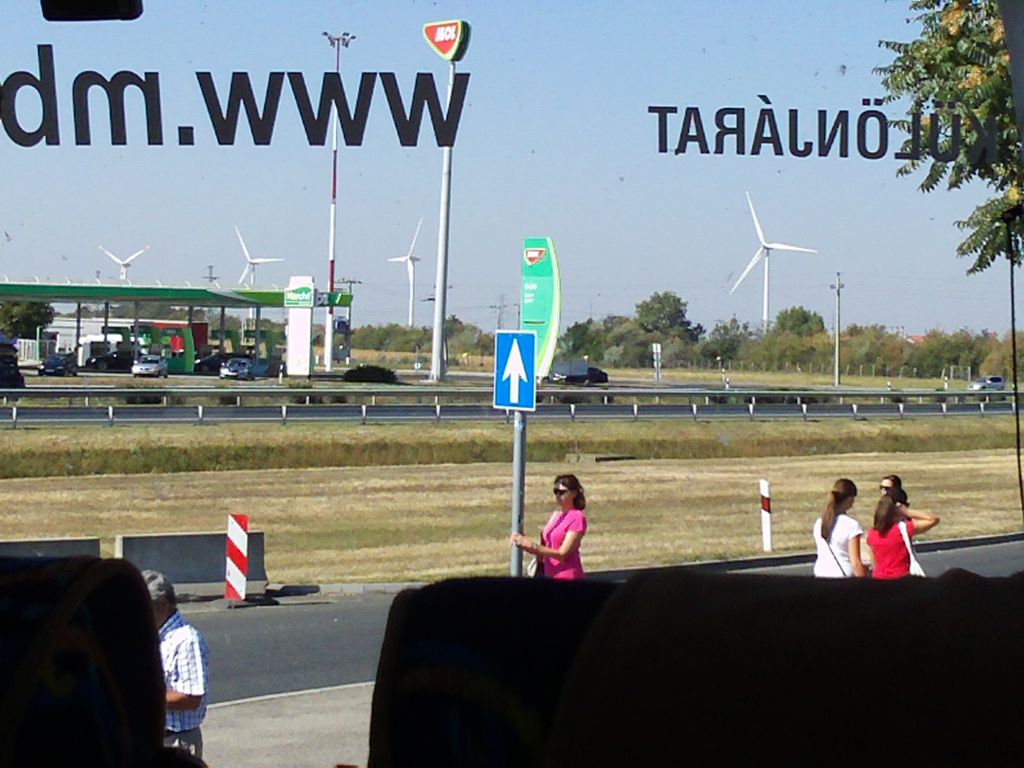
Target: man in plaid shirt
(184, 655)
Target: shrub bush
(370, 374)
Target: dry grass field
(52, 452)
(421, 522)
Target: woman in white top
(837, 535)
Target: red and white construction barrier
(766, 516)
(237, 557)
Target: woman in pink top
(887, 546)
(558, 551)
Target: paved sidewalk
(310, 729)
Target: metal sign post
(515, 565)
(515, 389)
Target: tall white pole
(337, 42)
(438, 366)
(764, 305)
(412, 291)
(837, 287)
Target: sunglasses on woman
(561, 491)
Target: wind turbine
(250, 262)
(124, 263)
(764, 249)
(410, 267)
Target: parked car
(10, 375)
(987, 382)
(150, 365)
(211, 363)
(237, 368)
(59, 365)
(121, 360)
(576, 372)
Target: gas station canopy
(98, 293)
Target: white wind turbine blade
(116, 260)
(750, 266)
(241, 280)
(245, 250)
(784, 247)
(412, 245)
(263, 260)
(757, 224)
(135, 255)
(399, 258)
(411, 270)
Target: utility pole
(337, 42)
(837, 286)
(500, 307)
(210, 277)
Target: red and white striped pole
(766, 515)
(237, 557)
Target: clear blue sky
(555, 140)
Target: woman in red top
(887, 546)
(558, 551)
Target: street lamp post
(337, 42)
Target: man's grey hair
(160, 587)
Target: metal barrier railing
(183, 404)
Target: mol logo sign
(449, 39)
(534, 255)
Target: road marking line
(271, 696)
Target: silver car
(237, 368)
(988, 382)
(150, 365)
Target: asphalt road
(263, 650)
(296, 646)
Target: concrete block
(194, 562)
(50, 547)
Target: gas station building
(179, 340)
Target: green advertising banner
(300, 297)
(541, 298)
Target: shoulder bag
(915, 567)
(535, 568)
(832, 552)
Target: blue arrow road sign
(515, 387)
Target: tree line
(796, 340)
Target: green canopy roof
(98, 293)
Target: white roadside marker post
(766, 516)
